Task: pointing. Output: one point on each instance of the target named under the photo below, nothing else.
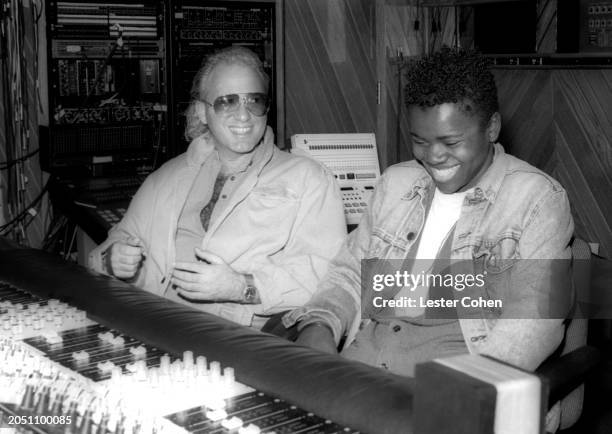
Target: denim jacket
(514, 212)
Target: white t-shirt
(443, 213)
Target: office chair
(567, 373)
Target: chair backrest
(576, 333)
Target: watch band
(106, 260)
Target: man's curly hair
(453, 75)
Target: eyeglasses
(256, 103)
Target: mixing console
(62, 372)
(136, 365)
(140, 363)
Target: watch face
(249, 293)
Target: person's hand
(318, 337)
(212, 279)
(125, 257)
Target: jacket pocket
(272, 207)
(498, 255)
(496, 260)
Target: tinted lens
(226, 103)
(256, 103)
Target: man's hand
(213, 279)
(318, 337)
(125, 257)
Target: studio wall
(558, 120)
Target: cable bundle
(18, 73)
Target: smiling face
(453, 146)
(238, 132)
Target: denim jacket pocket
(496, 259)
(498, 255)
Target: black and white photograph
(305, 216)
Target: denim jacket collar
(486, 188)
(421, 187)
(490, 182)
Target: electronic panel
(353, 160)
(107, 92)
(596, 26)
(200, 28)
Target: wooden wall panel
(558, 120)
(583, 129)
(400, 44)
(546, 26)
(526, 107)
(330, 80)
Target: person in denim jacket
(511, 216)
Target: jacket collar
(487, 186)
(263, 154)
(202, 147)
(421, 186)
(490, 182)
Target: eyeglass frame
(242, 101)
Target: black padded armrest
(569, 371)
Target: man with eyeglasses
(233, 226)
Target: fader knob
(232, 423)
(216, 414)
(215, 371)
(118, 341)
(82, 356)
(188, 359)
(228, 376)
(164, 364)
(201, 365)
(249, 429)
(17, 328)
(138, 352)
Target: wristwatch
(249, 294)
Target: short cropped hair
(233, 55)
(453, 75)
